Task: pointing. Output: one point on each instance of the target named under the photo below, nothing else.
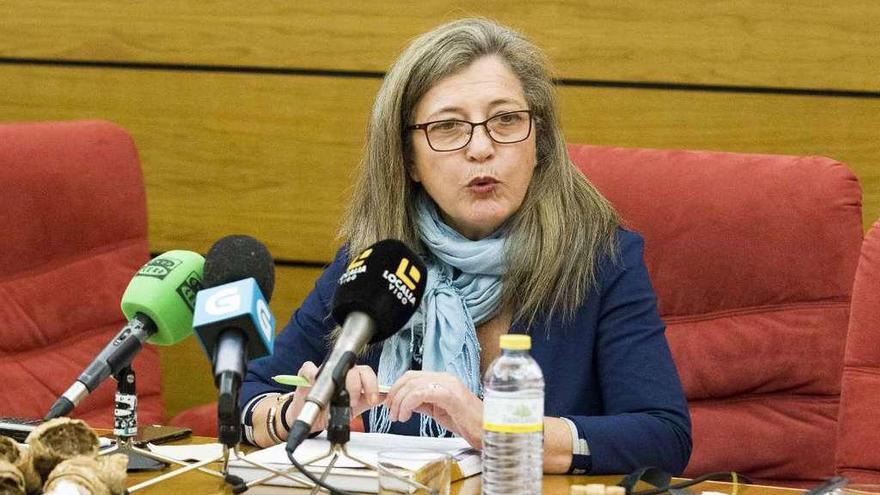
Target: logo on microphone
(223, 301)
(188, 288)
(360, 260)
(403, 281)
(265, 319)
(411, 277)
(356, 267)
(159, 267)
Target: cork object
(60, 439)
(98, 476)
(11, 479)
(19, 456)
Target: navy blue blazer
(608, 370)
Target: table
(195, 483)
(201, 484)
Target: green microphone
(164, 290)
(158, 303)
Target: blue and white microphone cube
(240, 305)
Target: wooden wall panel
(186, 373)
(808, 44)
(222, 153)
(273, 156)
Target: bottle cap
(516, 342)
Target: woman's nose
(481, 145)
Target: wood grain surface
(807, 44)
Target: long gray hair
(562, 227)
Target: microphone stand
(240, 486)
(230, 434)
(338, 433)
(125, 430)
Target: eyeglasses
(454, 134)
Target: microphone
(232, 319)
(158, 303)
(378, 293)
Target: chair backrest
(74, 232)
(858, 433)
(752, 258)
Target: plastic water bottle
(513, 421)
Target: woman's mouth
(482, 185)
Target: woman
(466, 164)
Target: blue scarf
(463, 290)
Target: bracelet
(288, 401)
(270, 424)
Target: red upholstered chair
(74, 232)
(752, 258)
(202, 419)
(858, 430)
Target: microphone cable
(629, 482)
(314, 479)
(661, 480)
(716, 476)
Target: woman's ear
(413, 172)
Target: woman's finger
(424, 393)
(401, 388)
(400, 383)
(353, 386)
(369, 386)
(414, 388)
(309, 371)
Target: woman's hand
(360, 382)
(443, 397)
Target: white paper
(348, 474)
(364, 446)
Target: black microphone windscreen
(386, 281)
(237, 257)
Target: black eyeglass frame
(424, 128)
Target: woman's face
(481, 185)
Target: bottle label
(509, 412)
